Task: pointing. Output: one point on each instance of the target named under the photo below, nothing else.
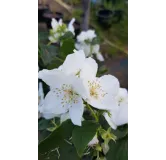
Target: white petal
(54, 23)
(53, 105)
(74, 62)
(71, 27)
(64, 117)
(90, 69)
(110, 84)
(122, 94)
(76, 112)
(49, 115)
(78, 86)
(100, 57)
(60, 22)
(122, 117)
(96, 48)
(54, 78)
(110, 121)
(105, 103)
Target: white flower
(119, 115)
(102, 91)
(77, 64)
(70, 26)
(86, 35)
(94, 141)
(64, 95)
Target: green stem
(49, 43)
(93, 113)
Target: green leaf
(44, 124)
(67, 47)
(121, 131)
(48, 53)
(67, 35)
(81, 136)
(59, 139)
(43, 36)
(118, 150)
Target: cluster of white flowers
(73, 83)
(59, 29)
(84, 42)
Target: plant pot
(48, 15)
(107, 17)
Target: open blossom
(77, 64)
(64, 95)
(119, 115)
(102, 91)
(59, 29)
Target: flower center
(96, 90)
(67, 95)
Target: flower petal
(52, 104)
(105, 103)
(100, 57)
(54, 23)
(110, 84)
(64, 117)
(122, 116)
(76, 112)
(110, 121)
(90, 69)
(74, 62)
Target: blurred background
(109, 18)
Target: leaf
(120, 132)
(43, 36)
(44, 124)
(118, 150)
(81, 136)
(67, 35)
(67, 47)
(59, 138)
(56, 137)
(48, 53)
